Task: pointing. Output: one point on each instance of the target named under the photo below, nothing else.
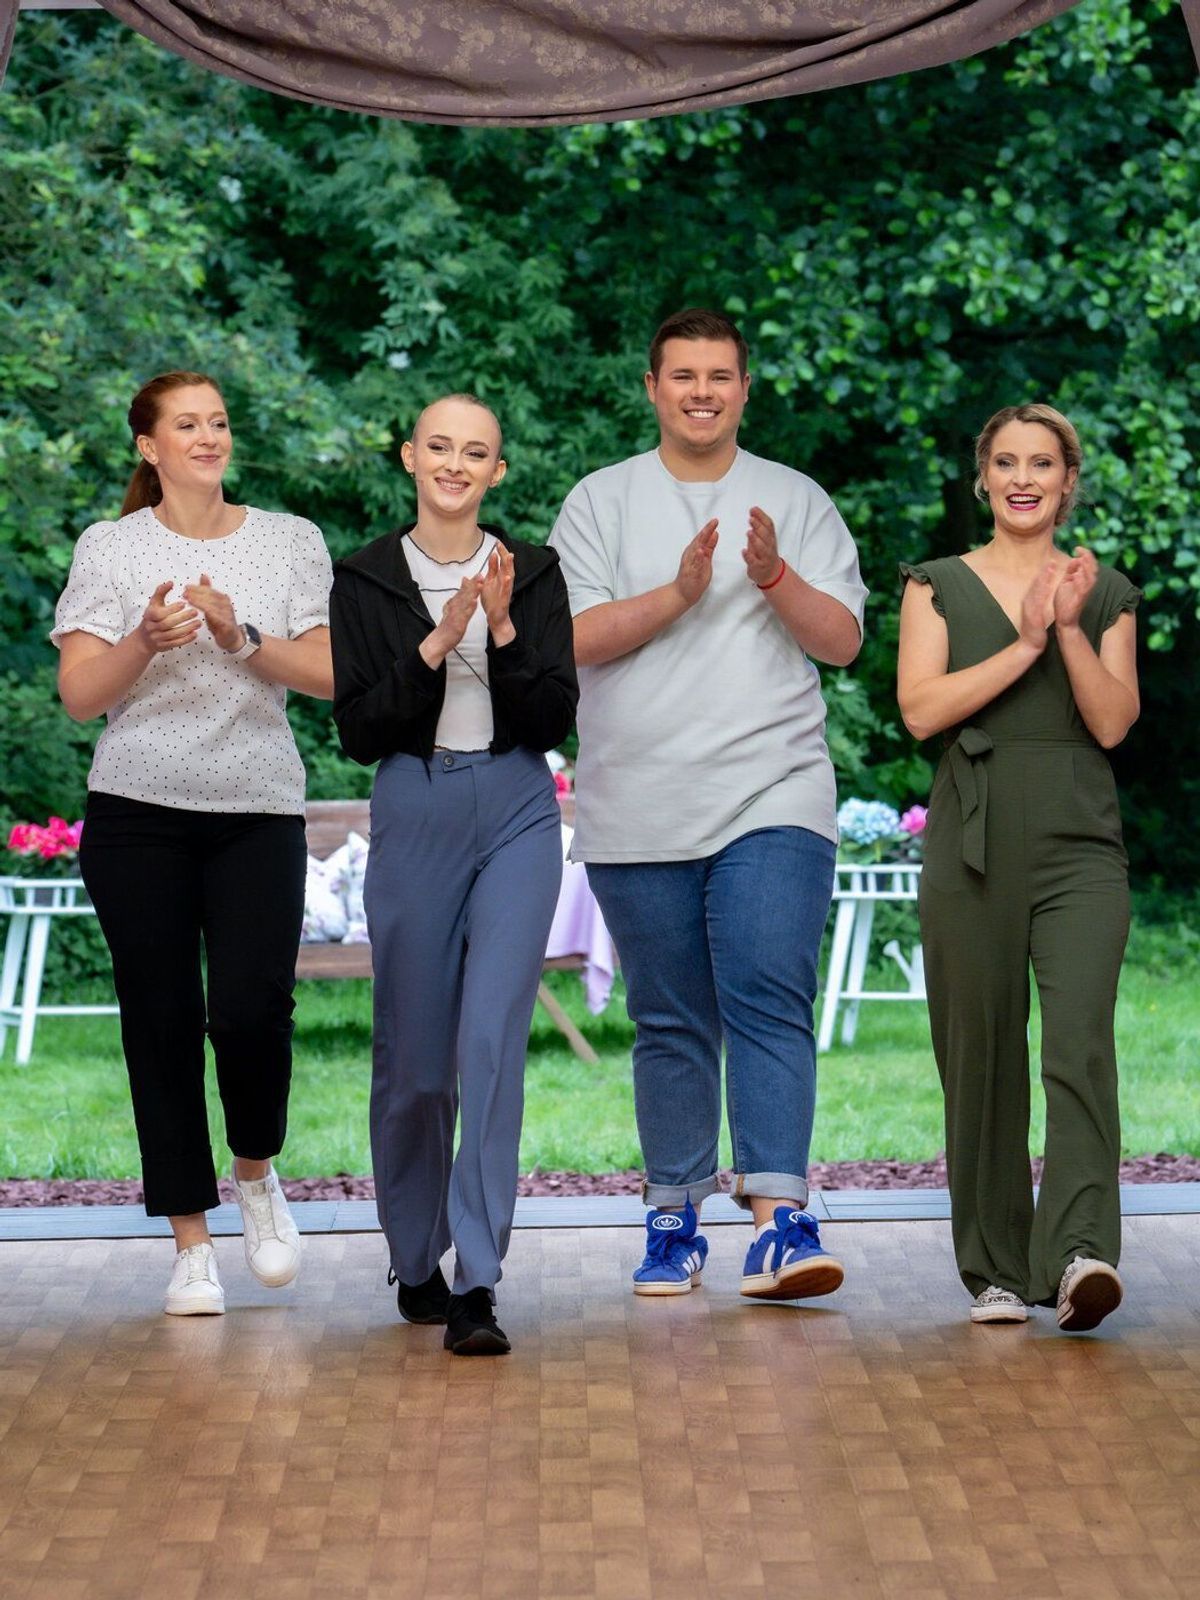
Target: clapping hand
(695, 564)
(496, 593)
(217, 610)
(458, 611)
(1077, 582)
(761, 552)
(1038, 601)
(166, 627)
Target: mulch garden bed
(831, 1175)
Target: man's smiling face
(698, 394)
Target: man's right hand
(695, 565)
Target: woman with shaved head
(453, 669)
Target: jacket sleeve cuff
(510, 657)
(417, 671)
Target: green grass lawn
(67, 1112)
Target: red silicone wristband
(778, 578)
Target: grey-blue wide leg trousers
(462, 881)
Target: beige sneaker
(194, 1289)
(1088, 1292)
(998, 1305)
(271, 1237)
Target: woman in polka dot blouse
(185, 623)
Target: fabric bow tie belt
(969, 771)
(971, 781)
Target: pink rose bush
(57, 840)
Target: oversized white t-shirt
(716, 726)
(466, 721)
(198, 730)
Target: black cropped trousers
(167, 883)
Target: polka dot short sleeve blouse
(198, 730)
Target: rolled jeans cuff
(768, 1185)
(674, 1196)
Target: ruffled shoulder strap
(924, 572)
(1118, 596)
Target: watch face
(252, 634)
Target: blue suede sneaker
(788, 1263)
(675, 1253)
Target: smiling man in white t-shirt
(702, 579)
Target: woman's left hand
(497, 593)
(217, 610)
(1077, 582)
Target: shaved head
(462, 414)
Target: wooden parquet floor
(308, 1444)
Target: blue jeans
(723, 950)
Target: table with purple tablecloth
(578, 930)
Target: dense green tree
(905, 256)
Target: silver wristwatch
(252, 643)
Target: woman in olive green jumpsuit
(1024, 658)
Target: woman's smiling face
(454, 457)
(1026, 478)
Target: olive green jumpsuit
(1024, 863)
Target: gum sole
(654, 1289)
(805, 1281)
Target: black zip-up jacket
(386, 698)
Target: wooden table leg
(566, 1027)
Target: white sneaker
(1089, 1290)
(194, 1289)
(998, 1305)
(270, 1235)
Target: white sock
(764, 1227)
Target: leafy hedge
(905, 257)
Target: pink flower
(58, 838)
(22, 839)
(913, 820)
(562, 784)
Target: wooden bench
(328, 823)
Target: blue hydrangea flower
(867, 822)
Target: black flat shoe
(424, 1303)
(471, 1327)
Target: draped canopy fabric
(530, 62)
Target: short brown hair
(1046, 417)
(697, 323)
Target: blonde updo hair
(1046, 417)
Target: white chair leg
(839, 950)
(859, 951)
(14, 951)
(31, 993)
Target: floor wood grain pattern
(873, 1445)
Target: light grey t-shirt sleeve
(312, 579)
(91, 601)
(828, 558)
(588, 559)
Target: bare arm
(304, 663)
(1105, 685)
(821, 625)
(94, 676)
(932, 698)
(615, 627)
